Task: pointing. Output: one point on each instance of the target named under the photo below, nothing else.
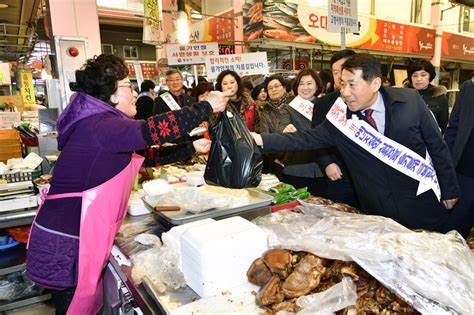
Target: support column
(436, 23)
(76, 18)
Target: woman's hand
(257, 137)
(202, 145)
(218, 100)
(333, 172)
(290, 128)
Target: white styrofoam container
(18, 203)
(216, 256)
(172, 238)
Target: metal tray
(257, 199)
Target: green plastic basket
(22, 176)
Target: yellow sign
(27, 88)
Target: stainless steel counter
(151, 301)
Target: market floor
(42, 308)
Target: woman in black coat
(420, 74)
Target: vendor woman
(74, 229)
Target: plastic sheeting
(432, 272)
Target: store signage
(309, 24)
(458, 47)
(190, 54)
(27, 89)
(226, 49)
(243, 64)
(219, 28)
(149, 70)
(151, 22)
(342, 16)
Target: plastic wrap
(432, 272)
(160, 266)
(337, 297)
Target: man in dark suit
(460, 139)
(398, 115)
(339, 183)
(175, 98)
(145, 100)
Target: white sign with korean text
(243, 64)
(342, 16)
(190, 54)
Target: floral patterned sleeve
(173, 125)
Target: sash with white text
(302, 106)
(385, 149)
(169, 100)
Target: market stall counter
(120, 290)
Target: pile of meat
(283, 276)
(331, 205)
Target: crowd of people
(107, 121)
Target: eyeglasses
(274, 87)
(173, 81)
(130, 86)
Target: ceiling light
(3, 6)
(183, 28)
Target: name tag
(385, 149)
(302, 106)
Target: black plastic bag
(235, 160)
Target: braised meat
(279, 261)
(258, 273)
(270, 293)
(305, 277)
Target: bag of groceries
(235, 161)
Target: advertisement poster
(151, 22)
(149, 70)
(303, 23)
(457, 47)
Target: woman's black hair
(98, 77)
(314, 75)
(201, 88)
(421, 65)
(256, 91)
(237, 78)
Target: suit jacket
(161, 107)
(381, 189)
(145, 106)
(461, 121)
(322, 105)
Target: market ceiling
(18, 27)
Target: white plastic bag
(432, 272)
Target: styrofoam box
(216, 256)
(172, 238)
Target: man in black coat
(460, 139)
(339, 182)
(175, 98)
(400, 115)
(145, 100)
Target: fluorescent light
(183, 28)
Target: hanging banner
(243, 64)
(27, 89)
(458, 47)
(151, 22)
(190, 54)
(309, 24)
(5, 73)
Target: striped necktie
(369, 118)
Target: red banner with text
(457, 47)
